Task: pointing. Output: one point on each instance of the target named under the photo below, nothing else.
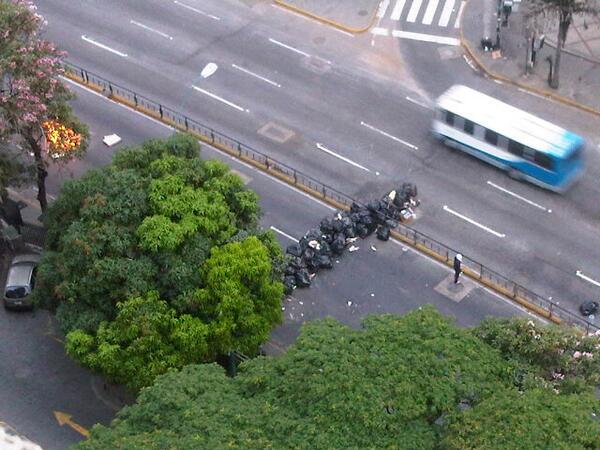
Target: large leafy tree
(562, 11)
(413, 382)
(34, 102)
(165, 235)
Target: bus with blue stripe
(527, 147)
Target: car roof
(20, 270)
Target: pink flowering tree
(32, 92)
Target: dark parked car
(20, 281)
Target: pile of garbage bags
(319, 246)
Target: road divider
(485, 276)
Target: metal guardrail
(531, 300)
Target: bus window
(516, 148)
(491, 137)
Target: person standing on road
(457, 267)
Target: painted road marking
(371, 127)
(246, 71)
(446, 13)
(383, 6)
(425, 37)
(277, 230)
(397, 11)
(380, 31)
(459, 15)
(102, 46)
(216, 97)
(529, 202)
(196, 10)
(289, 47)
(316, 22)
(430, 12)
(414, 10)
(472, 222)
(146, 27)
(417, 102)
(580, 274)
(343, 158)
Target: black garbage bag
(374, 206)
(308, 254)
(326, 225)
(379, 217)
(289, 284)
(325, 248)
(371, 228)
(350, 231)
(328, 238)
(366, 220)
(296, 262)
(362, 231)
(355, 207)
(589, 307)
(290, 270)
(302, 278)
(338, 244)
(294, 250)
(383, 233)
(325, 262)
(354, 217)
(338, 225)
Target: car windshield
(15, 292)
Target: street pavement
(380, 277)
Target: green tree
(158, 219)
(412, 382)
(32, 92)
(562, 11)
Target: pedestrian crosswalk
(435, 13)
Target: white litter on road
(111, 139)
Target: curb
(274, 171)
(325, 20)
(541, 92)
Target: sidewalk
(580, 61)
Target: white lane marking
(425, 37)
(446, 13)
(221, 152)
(377, 130)
(216, 97)
(343, 158)
(289, 47)
(430, 12)
(277, 230)
(246, 71)
(397, 11)
(196, 10)
(102, 46)
(383, 6)
(380, 31)
(146, 27)
(529, 202)
(460, 12)
(417, 102)
(580, 274)
(413, 12)
(472, 222)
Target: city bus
(525, 146)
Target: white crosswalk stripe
(397, 11)
(446, 13)
(414, 11)
(459, 15)
(383, 6)
(429, 12)
(449, 11)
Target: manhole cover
(363, 12)
(276, 132)
(317, 64)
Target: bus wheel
(515, 174)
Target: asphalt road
(365, 101)
(39, 378)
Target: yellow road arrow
(65, 419)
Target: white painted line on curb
(316, 22)
(470, 63)
(248, 72)
(531, 93)
(277, 230)
(343, 158)
(417, 102)
(580, 274)
(146, 27)
(377, 130)
(196, 10)
(102, 46)
(380, 31)
(289, 47)
(460, 13)
(216, 97)
(529, 202)
(472, 222)
(426, 37)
